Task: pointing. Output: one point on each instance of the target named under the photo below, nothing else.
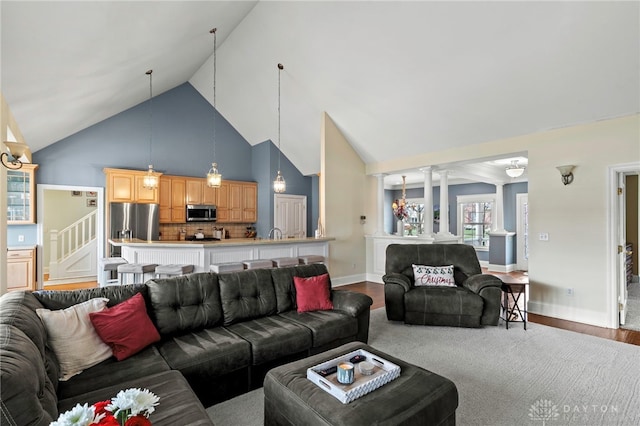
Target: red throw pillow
(126, 327)
(313, 294)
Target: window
(474, 219)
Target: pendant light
(150, 180)
(279, 185)
(514, 170)
(214, 178)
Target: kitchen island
(201, 254)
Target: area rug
(542, 376)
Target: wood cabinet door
(194, 191)
(223, 203)
(178, 198)
(121, 188)
(250, 202)
(235, 201)
(142, 194)
(21, 195)
(209, 195)
(165, 200)
(20, 270)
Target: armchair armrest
(477, 283)
(399, 279)
(351, 302)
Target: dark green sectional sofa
(220, 334)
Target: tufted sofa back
(463, 257)
(185, 303)
(285, 288)
(246, 295)
(25, 398)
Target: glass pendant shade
(150, 180)
(214, 178)
(279, 185)
(514, 170)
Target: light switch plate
(544, 236)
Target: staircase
(73, 252)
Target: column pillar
(380, 206)
(497, 224)
(427, 215)
(444, 204)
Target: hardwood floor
(376, 292)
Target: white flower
(133, 402)
(80, 415)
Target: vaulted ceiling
(396, 77)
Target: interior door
(290, 215)
(522, 233)
(622, 254)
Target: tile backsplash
(171, 231)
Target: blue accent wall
(182, 144)
(30, 233)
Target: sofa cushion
(126, 327)
(185, 303)
(27, 394)
(73, 338)
(313, 293)
(273, 337)
(178, 404)
(439, 305)
(433, 275)
(246, 295)
(111, 372)
(325, 326)
(61, 299)
(211, 352)
(283, 283)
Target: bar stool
(109, 265)
(311, 258)
(135, 269)
(282, 262)
(257, 264)
(172, 270)
(219, 268)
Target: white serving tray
(383, 372)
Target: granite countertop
(134, 242)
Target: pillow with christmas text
(434, 275)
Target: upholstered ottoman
(417, 397)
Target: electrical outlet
(544, 236)
(21, 238)
(570, 291)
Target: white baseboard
(569, 313)
(374, 278)
(74, 280)
(502, 268)
(349, 279)
(484, 264)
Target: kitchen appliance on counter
(201, 213)
(133, 220)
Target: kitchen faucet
(272, 234)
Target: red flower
(109, 420)
(101, 407)
(137, 421)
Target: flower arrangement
(130, 407)
(399, 210)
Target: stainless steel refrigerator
(132, 220)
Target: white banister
(73, 237)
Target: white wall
(575, 216)
(342, 202)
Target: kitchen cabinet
(21, 195)
(235, 201)
(127, 186)
(21, 269)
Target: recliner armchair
(473, 302)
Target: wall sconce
(565, 171)
(19, 154)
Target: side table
(511, 292)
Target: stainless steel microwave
(201, 213)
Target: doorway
(290, 215)
(70, 232)
(624, 309)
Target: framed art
(92, 194)
(76, 193)
(92, 202)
